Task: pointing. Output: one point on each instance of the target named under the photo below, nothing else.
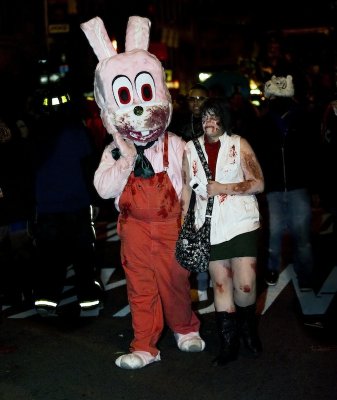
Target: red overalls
(158, 287)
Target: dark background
(189, 36)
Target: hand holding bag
(193, 246)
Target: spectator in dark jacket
(65, 197)
(286, 150)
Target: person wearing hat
(285, 146)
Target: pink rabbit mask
(129, 87)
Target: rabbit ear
(137, 33)
(98, 38)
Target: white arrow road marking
(115, 284)
(68, 300)
(24, 314)
(106, 275)
(272, 292)
(206, 310)
(111, 232)
(330, 285)
(70, 271)
(114, 238)
(123, 312)
(311, 303)
(67, 288)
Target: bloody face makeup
(211, 125)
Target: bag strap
(202, 158)
(204, 163)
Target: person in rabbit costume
(142, 170)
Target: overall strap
(165, 156)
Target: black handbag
(193, 246)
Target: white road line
(24, 314)
(114, 285)
(330, 285)
(106, 275)
(114, 238)
(206, 310)
(267, 298)
(123, 312)
(68, 300)
(311, 304)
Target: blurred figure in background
(290, 172)
(244, 116)
(180, 113)
(191, 128)
(329, 143)
(65, 197)
(16, 204)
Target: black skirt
(244, 245)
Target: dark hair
(199, 86)
(220, 108)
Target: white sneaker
(191, 342)
(136, 360)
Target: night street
(99, 103)
(71, 357)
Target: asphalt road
(72, 358)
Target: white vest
(232, 214)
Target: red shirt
(212, 150)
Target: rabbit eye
(122, 90)
(145, 86)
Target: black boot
(248, 329)
(229, 339)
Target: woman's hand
(214, 188)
